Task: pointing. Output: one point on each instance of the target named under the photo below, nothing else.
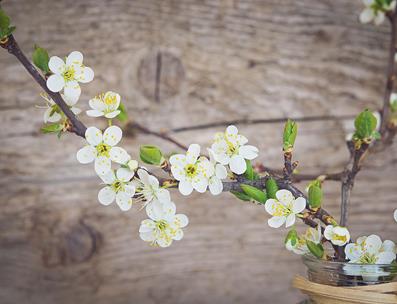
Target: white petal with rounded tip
(367, 15)
(86, 155)
(93, 136)
(87, 75)
(55, 83)
(220, 171)
(143, 176)
(148, 236)
(124, 201)
(329, 232)
(299, 205)
(232, 130)
(72, 90)
(178, 172)
(106, 196)
(373, 244)
(285, 197)
(395, 215)
(379, 18)
(118, 155)
(124, 174)
(70, 100)
(76, 111)
(164, 242)
(237, 164)
(192, 153)
(112, 135)
(290, 220)
(386, 257)
(178, 159)
(102, 165)
(271, 206)
(129, 189)
(147, 226)
(74, 57)
(276, 221)
(182, 220)
(108, 178)
(389, 246)
(94, 113)
(200, 184)
(155, 210)
(185, 187)
(178, 235)
(153, 181)
(55, 117)
(215, 185)
(56, 65)
(97, 104)
(353, 252)
(248, 152)
(112, 114)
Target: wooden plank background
(224, 59)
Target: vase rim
(309, 257)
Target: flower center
(103, 149)
(280, 210)
(341, 238)
(69, 73)
(368, 258)
(110, 100)
(118, 186)
(162, 225)
(191, 170)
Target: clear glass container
(348, 274)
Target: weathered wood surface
(221, 60)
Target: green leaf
(289, 135)
(254, 193)
(291, 236)
(315, 196)
(51, 128)
(316, 249)
(4, 21)
(271, 188)
(123, 116)
(151, 155)
(40, 59)
(249, 173)
(365, 124)
(241, 196)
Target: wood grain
(240, 59)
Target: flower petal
(119, 155)
(97, 104)
(129, 189)
(232, 130)
(86, 155)
(192, 153)
(271, 206)
(108, 178)
(102, 165)
(72, 90)
(87, 75)
(56, 65)
(55, 83)
(178, 235)
(163, 195)
(379, 18)
(200, 184)
(94, 113)
(220, 171)
(299, 205)
(367, 15)
(112, 114)
(237, 164)
(372, 244)
(290, 220)
(143, 176)
(276, 221)
(329, 232)
(353, 252)
(248, 152)
(185, 187)
(124, 201)
(124, 174)
(181, 220)
(285, 197)
(74, 57)
(93, 136)
(215, 185)
(148, 236)
(386, 257)
(395, 215)
(112, 135)
(106, 196)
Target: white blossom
(191, 170)
(395, 215)
(375, 12)
(53, 113)
(369, 251)
(67, 75)
(105, 105)
(300, 247)
(118, 187)
(215, 181)
(230, 149)
(148, 188)
(337, 235)
(163, 225)
(284, 209)
(102, 149)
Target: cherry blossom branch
(11, 45)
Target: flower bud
(151, 155)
